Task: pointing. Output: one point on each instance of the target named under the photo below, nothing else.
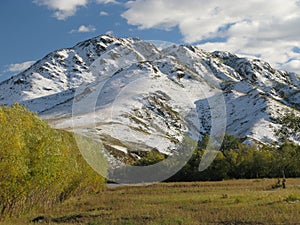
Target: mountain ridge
(131, 86)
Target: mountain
(133, 96)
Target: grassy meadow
(224, 202)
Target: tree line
(236, 160)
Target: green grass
(226, 202)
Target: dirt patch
(76, 218)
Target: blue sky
(33, 28)
(30, 31)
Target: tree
(288, 160)
(290, 126)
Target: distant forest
(236, 160)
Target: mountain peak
(156, 95)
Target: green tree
(290, 126)
(151, 157)
(288, 160)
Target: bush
(151, 158)
(39, 166)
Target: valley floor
(226, 202)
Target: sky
(269, 30)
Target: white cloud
(107, 1)
(19, 67)
(13, 69)
(254, 27)
(84, 29)
(66, 8)
(103, 13)
(62, 8)
(292, 65)
(110, 32)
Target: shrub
(39, 166)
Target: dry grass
(227, 202)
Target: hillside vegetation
(39, 166)
(236, 160)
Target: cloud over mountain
(62, 8)
(19, 67)
(261, 28)
(66, 8)
(84, 29)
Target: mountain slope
(133, 97)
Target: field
(226, 202)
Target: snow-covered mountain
(134, 97)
